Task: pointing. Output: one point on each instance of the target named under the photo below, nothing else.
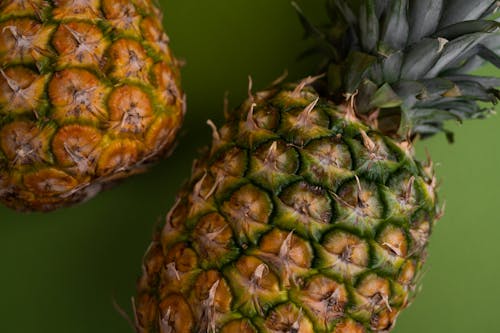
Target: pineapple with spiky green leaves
(89, 94)
(309, 212)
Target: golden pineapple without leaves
(89, 94)
(310, 212)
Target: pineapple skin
(89, 94)
(299, 218)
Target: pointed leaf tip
(369, 26)
(396, 27)
(385, 97)
(309, 28)
(489, 55)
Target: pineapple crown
(406, 62)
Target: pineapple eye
(302, 125)
(305, 209)
(130, 110)
(213, 296)
(78, 94)
(165, 82)
(25, 144)
(289, 254)
(21, 7)
(344, 254)
(122, 15)
(117, 156)
(327, 162)
(175, 315)
(360, 206)
(79, 44)
(24, 40)
(77, 9)
(375, 160)
(257, 288)
(153, 33)
(288, 318)
(49, 182)
(248, 210)
(272, 164)
(376, 293)
(325, 298)
(128, 60)
(213, 240)
(77, 147)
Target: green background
(60, 272)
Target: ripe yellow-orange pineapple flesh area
(300, 218)
(89, 94)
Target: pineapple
(310, 212)
(89, 94)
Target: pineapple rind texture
(299, 218)
(89, 94)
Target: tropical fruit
(89, 94)
(310, 212)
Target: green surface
(61, 271)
